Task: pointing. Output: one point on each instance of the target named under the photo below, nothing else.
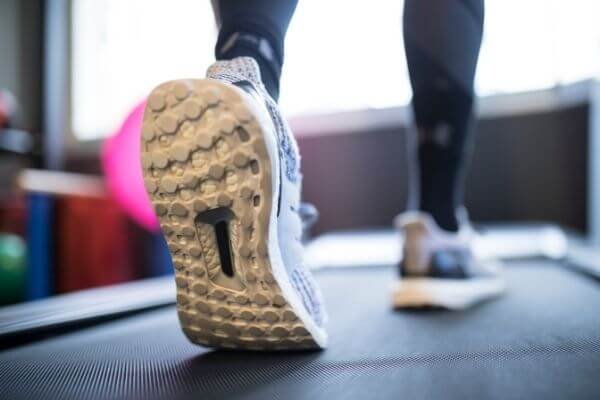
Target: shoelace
(309, 215)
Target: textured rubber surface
(539, 341)
(208, 174)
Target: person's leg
(439, 267)
(255, 28)
(442, 40)
(222, 170)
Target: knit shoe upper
(244, 72)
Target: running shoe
(440, 268)
(222, 170)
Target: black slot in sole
(222, 233)
(219, 219)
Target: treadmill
(541, 340)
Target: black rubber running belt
(541, 340)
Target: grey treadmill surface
(541, 340)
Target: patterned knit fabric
(290, 222)
(246, 68)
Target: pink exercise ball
(123, 170)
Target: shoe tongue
(239, 67)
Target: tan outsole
(203, 149)
(452, 294)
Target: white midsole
(448, 293)
(277, 265)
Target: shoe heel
(208, 173)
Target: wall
(525, 168)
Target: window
(536, 44)
(122, 49)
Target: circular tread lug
(269, 278)
(160, 159)
(227, 124)
(195, 251)
(278, 300)
(216, 171)
(289, 316)
(241, 299)
(256, 331)
(199, 206)
(179, 209)
(230, 329)
(218, 294)
(146, 161)
(200, 289)
(224, 200)
(203, 307)
(180, 152)
(160, 209)
(168, 184)
(270, 316)
(248, 315)
(187, 231)
(224, 312)
(240, 159)
(150, 185)
(167, 123)
(260, 299)
(156, 101)
(182, 299)
(204, 140)
(181, 90)
(300, 331)
(147, 132)
(280, 331)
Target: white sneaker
(222, 170)
(440, 268)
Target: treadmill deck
(540, 340)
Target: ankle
(245, 44)
(444, 218)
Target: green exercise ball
(12, 268)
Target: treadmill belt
(541, 340)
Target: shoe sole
(452, 294)
(209, 176)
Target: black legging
(442, 40)
(255, 28)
